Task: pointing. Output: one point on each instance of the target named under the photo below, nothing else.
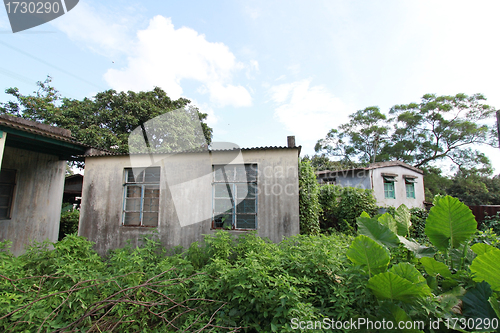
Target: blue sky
(264, 69)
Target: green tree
(104, 121)
(417, 133)
(439, 127)
(323, 162)
(359, 140)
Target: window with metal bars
(235, 196)
(141, 197)
(7, 186)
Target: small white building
(186, 195)
(393, 183)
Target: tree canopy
(104, 121)
(437, 128)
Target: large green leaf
(476, 303)
(395, 314)
(366, 252)
(408, 272)
(433, 267)
(403, 220)
(419, 250)
(450, 223)
(481, 248)
(486, 267)
(494, 305)
(376, 231)
(391, 286)
(389, 221)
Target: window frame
(143, 186)
(232, 185)
(410, 183)
(11, 195)
(387, 191)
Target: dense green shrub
(221, 284)
(491, 222)
(342, 205)
(69, 221)
(418, 217)
(309, 207)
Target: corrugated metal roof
(376, 165)
(44, 130)
(195, 151)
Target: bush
(342, 205)
(244, 282)
(491, 222)
(69, 221)
(418, 217)
(309, 207)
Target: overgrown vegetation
(451, 281)
(223, 284)
(228, 284)
(69, 221)
(342, 205)
(309, 207)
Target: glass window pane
(218, 173)
(4, 213)
(251, 170)
(223, 221)
(245, 221)
(132, 219)
(150, 219)
(223, 205)
(247, 191)
(133, 191)
(133, 204)
(222, 191)
(135, 175)
(151, 191)
(246, 206)
(240, 174)
(151, 205)
(152, 175)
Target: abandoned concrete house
(188, 194)
(393, 183)
(32, 167)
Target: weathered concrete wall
(357, 178)
(37, 201)
(399, 186)
(186, 197)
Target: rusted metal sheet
(481, 211)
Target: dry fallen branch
(146, 301)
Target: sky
(264, 70)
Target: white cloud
(103, 32)
(158, 55)
(236, 96)
(308, 111)
(212, 119)
(164, 56)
